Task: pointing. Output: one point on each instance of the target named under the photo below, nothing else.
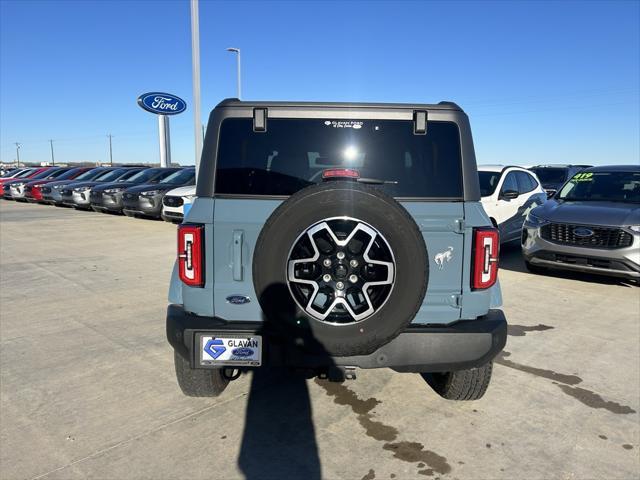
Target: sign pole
(165, 143)
(195, 72)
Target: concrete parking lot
(88, 388)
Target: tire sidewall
(338, 199)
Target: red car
(21, 173)
(33, 173)
(33, 190)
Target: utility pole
(18, 145)
(195, 73)
(110, 150)
(53, 161)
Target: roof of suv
(497, 168)
(561, 165)
(614, 168)
(234, 102)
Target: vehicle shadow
(279, 438)
(511, 259)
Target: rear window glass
(551, 175)
(293, 153)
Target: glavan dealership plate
(236, 350)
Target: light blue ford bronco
(329, 237)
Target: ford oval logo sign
(238, 299)
(162, 103)
(242, 352)
(583, 232)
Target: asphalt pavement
(87, 388)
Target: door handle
(238, 236)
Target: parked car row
(133, 190)
(589, 223)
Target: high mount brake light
(336, 173)
(191, 254)
(486, 250)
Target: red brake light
(340, 173)
(191, 254)
(486, 249)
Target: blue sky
(541, 81)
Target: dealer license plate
(234, 350)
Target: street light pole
(110, 150)
(237, 51)
(18, 145)
(53, 161)
(195, 73)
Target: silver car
(592, 225)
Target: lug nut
(353, 263)
(339, 285)
(326, 277)
(340, 255)
(327, 262)
(353, 278)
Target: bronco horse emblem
(443, 257)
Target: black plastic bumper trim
(462, 345)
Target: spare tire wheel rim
(340, 270)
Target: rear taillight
(486, 248)
(191, 254)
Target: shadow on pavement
(279, 439)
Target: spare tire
(340, 266)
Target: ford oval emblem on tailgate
(238, 299)
(583, 232)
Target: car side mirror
(509, 194)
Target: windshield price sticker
(583, 177)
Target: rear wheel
(199, 382)
(341, 267)
(461, 385)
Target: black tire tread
(467, 385)
(198, 382)
(347, 348)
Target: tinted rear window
(551, 175)
(293, 153)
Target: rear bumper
(462, 345)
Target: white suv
(508, 194)
(176, 203)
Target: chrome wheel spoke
(344, 273)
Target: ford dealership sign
(162, 103)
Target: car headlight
(18, 184)
(534, 220)
(635, 228)
(58, 187)
(150, 193)
(40, 185)
(113, 190)
(81, 189)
